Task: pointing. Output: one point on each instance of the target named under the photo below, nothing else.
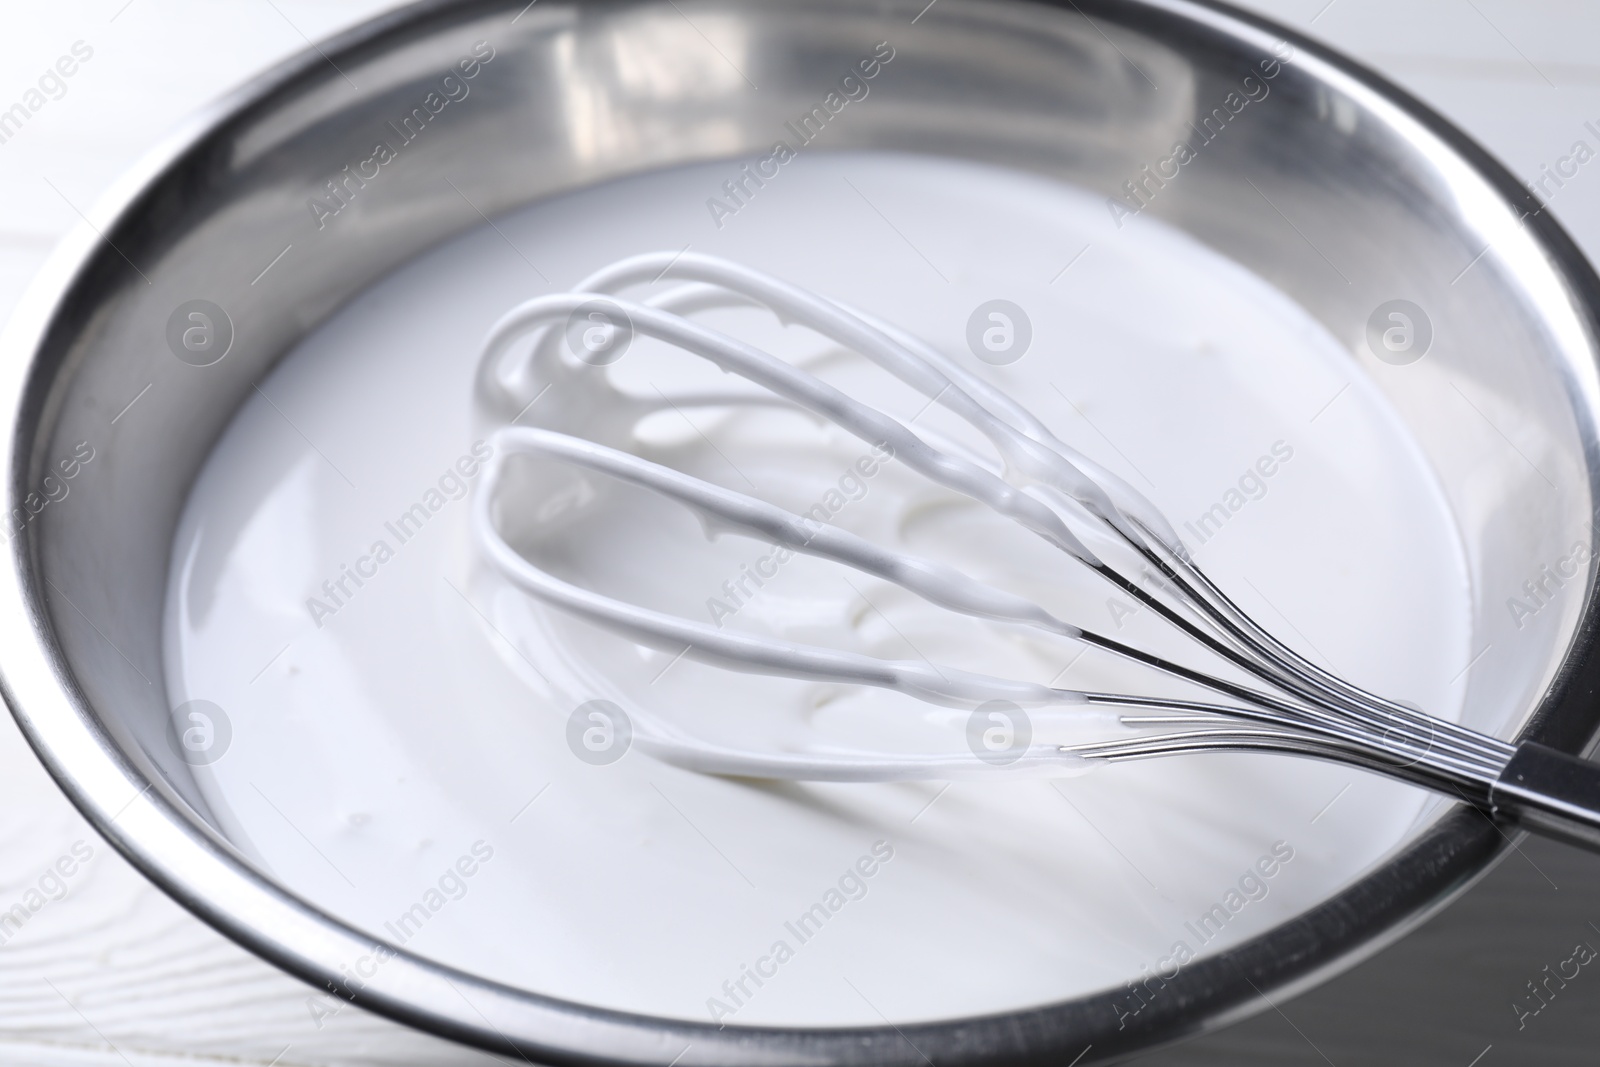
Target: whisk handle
(1552, 794)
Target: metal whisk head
(1040, 484)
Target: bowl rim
(201, 871)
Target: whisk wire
(1043, 483)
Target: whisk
(1289, 705)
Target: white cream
(375, 744)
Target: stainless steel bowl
(1340, 188)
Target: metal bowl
(1340, 188)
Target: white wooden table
(105, 969)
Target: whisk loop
(1042, 485)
